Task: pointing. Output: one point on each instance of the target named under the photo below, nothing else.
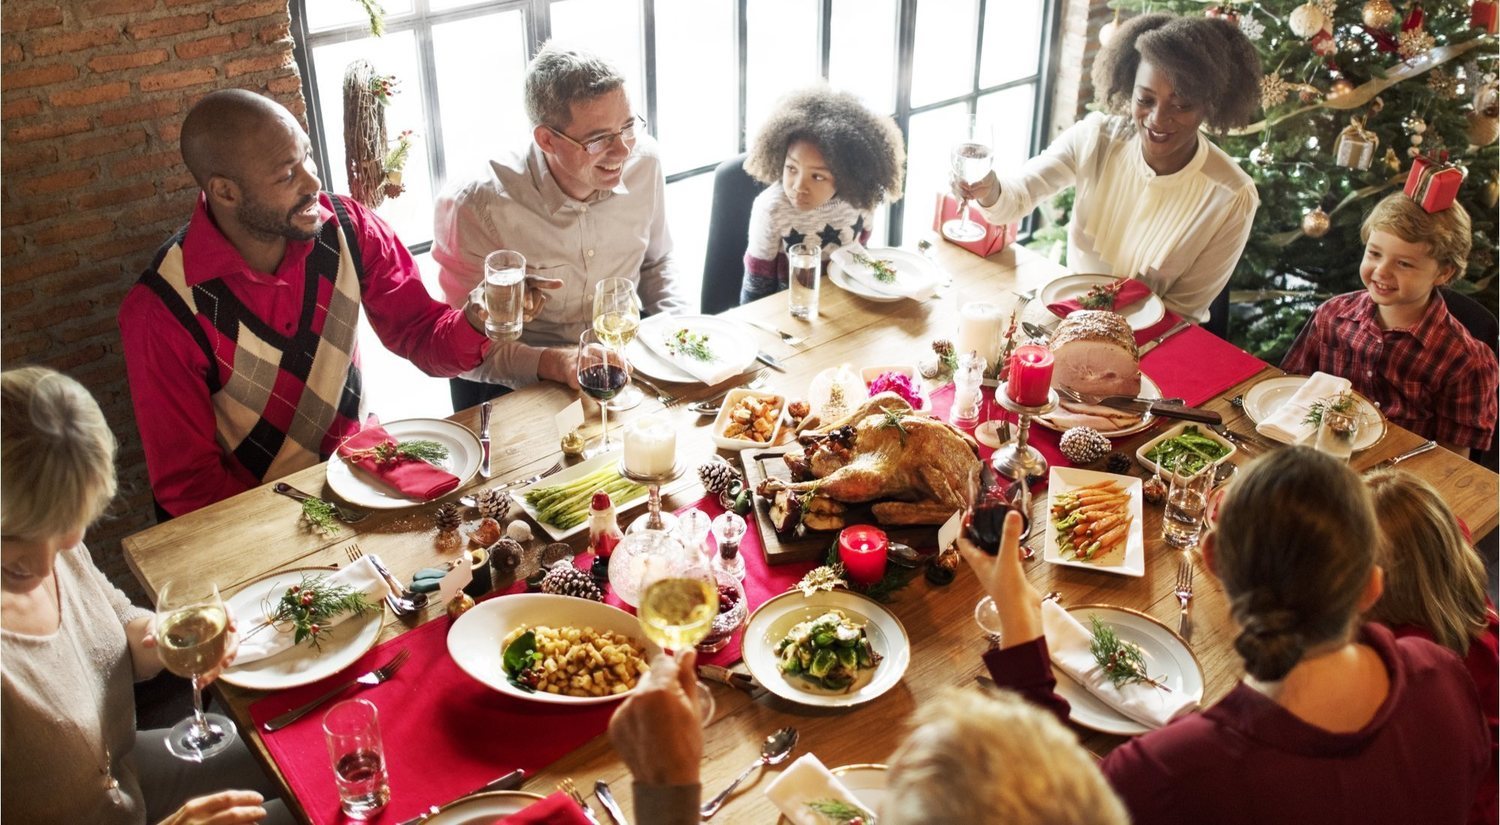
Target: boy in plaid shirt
(1396, 341)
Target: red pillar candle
(1030, 378)
(862, 549)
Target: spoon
(1223, 472)
(712, 405)
(773, 751)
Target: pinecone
(493, 504)
(566, 580)
(447, 517)
(1083, 445)
(943, 347)
(719, 476)
(1118, 463)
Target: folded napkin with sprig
(697, 352)
(408, 467)
(1114, 296)
(1292, 422)
(809, 794)
(306, 610)
(1120, 680)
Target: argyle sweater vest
(280, 401)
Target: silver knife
(1176, 328)
(508, 782)
(607, 799)
(1161, 408)
(1415, 451)
(484, 439)
(769, 361)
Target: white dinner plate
(1168, 660)
(1148, 390)
(339, 647)
(1140, 315)
(482, 808)
(572, 473)
(866, 782)
(770, 622)
(1265, 398)
(474, 640)
(728, 340)
(358, 488)
(915, 276)
(1130, 563)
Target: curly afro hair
(864, 150)
(1209, 61)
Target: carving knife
(1161, 408)
(1176, 328)
(484, 439)
(766, 359)
(508, 782)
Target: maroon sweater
(1247, 760)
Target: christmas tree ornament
(1378, 14)
(1340, 87)
(1307, 20)
(1253, 29)
(1323, 44)
(518, 530)
(1356, 145)
(1414, 39)
(459, 604)
(1107, 31)
(1485, 16)
(1392, 161)
(1443, 85)
(485, 533)
(1083, 445)
(1414, 125)
(1263, 155)
(1330, 8)
(1487, 97)
(1433, 182)
(1482, 130)
(1491, 194)
(1315, 224)
(1273, 91)
(1222, 13)
(566, 580)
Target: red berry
(307, 598)
(314, 629)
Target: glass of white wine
(679, 599)
(192, 632)
(972, 159)
(617, 316)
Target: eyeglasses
(597, 145)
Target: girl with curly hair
(828, 161)
(1156, 200)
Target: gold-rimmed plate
(482, 808)
(1140, 315)
(339, 647)
(867, 783)
(357, 488)
(1168, 660)
(771, 622)
(1266, 397)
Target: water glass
(504, 294)
(1337, 432)
(1187, 499)
(804, 265)
(352, 730)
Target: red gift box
(1485, 14)
(1433, 183)
(995, 238)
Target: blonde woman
(1435, 590)
(72, 643)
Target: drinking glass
(804, 264)
(601, 373)
(192, 632)
(504, 294)
(352, 730)
(1336, 433)
(679, 602)
(971, 162)
(617, 316)
(990, 497)
(1187, 499)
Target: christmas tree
(1352, 92)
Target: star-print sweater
(775, 224)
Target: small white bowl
(721, 422)
(1173, 432)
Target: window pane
(609, 28)
(687, 217)
(695, 71)
(863, 56)
(1013, 112)
(927, 162)
(444, 5)
(395, 53)
(943, 65)
(479, 118)
(321, 14)
(1012, 41)
(782, 38)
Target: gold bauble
(1392, 160)
(1378, 14)
(1315, 223)
(1340, 87)
(459, 605)
(1491, 194)
(1482, 130)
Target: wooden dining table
(258, 533)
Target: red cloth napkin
(1131, 292)
(557, 809)
(444, 733)
(410, 477)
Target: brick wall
(92, 96)
(1077, 46)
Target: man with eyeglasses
(584, 202)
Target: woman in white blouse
(1156, 200)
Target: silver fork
(567, 787)
(374, 677)
(1183, 590)
(667, 399)
(786, 337)
(400, 602)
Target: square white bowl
(721, 422)
(1173, 432)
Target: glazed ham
(1095, 353)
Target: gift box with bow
(1433, 182)
(995, 238)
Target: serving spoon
(773, 751)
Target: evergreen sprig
(895, 578)
(309, 605)
(882, 268)
(419, 449)
(1341, 403)
(319, 516)
(839, 812)
(1122, 661)
(892, 419)
(692, 344)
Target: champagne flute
(678, 603)
(601, 373)
(972, 159)
(617, 316)
(192, 632)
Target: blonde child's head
(1446, 233)
(863, 149)
(1433, 578)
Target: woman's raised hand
(984, 193)
(1002, 577)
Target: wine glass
(991, 496)
(192, 632)
(972, 158)
(601, 373)
(617, 316)
(679, 600)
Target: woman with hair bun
(1156, 199)
(1335, 721)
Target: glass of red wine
(602, 372)
(991, 497)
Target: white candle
(650, 447)
(979, 328)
